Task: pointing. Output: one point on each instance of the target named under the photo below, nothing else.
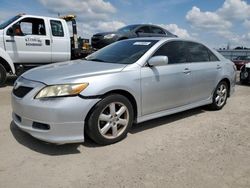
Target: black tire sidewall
(92, 122)
(3, 74)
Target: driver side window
(30, 26)
(175, 51)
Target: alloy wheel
(221, 95)
(113, 120)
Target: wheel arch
(6, 61)
(228, 84)
(124, 93)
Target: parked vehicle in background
(28, 41)
(133, 80)
(240, 61)
(245, 74)
(100, 40)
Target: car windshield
(127, 28)
(8, 22)
(122, 52)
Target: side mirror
(14, 30)
(10, 31)
(158, 61)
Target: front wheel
(220, 96)
(3, 75)
(110, 120)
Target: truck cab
(29, 41)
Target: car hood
(71, 71)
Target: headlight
(61, 90)
(109, 36)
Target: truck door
(30, 43)
(61, 50)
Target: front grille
(22, 91)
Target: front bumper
(64, 117)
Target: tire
(110, 120)
(220, 96)
(3, 75)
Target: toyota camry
(127, 82)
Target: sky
(217, 23)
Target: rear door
(61, 47)
(205, 70)
(29, 45)
(166, 87)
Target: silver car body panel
(158, 91)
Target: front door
(166, 87)
(30, 43)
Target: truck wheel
(3, 75)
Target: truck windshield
(122, 52)
(8, 22)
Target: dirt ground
(196, 148)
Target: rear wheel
(220, 96)
(110, 120)
(3, 75)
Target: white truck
(28, 41)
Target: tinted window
(122, 52)
(157, 30)
(144, 29)
(57, 28)
(212, 57)
(199, 53)
(175, 51)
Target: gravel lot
(196, 148)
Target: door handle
(10, 41)
(219, 67)
(186, 71)
(47, 42)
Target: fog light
(40, 126)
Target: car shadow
(42, 147)
(166, 120)
(55, 150)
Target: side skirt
(173, 110)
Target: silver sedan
(127, 82)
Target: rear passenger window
(57, 28)
(157, 30)
(197, 52)
(144, 29)
(212, 57)
(175, 51)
